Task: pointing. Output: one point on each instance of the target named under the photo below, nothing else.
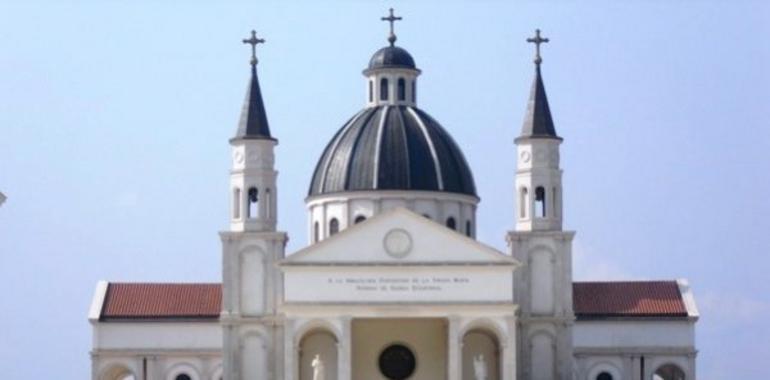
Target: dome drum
(331, 213)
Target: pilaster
(344, 350)
(454, 362)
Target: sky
(115, 119)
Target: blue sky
(114, 120)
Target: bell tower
(543, 285)
(252, 286)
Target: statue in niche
(319, 372)
(480, 367)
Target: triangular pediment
(399, 237)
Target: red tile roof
(162, 301)
(593, 300)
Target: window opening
(334, 226)
(468, 228)
(316, 232)
(384, 89)
(401, 89)
(540, 202)
(450, 222)
(183, 376)
(253, 201)
(360, 219)
(268, 210)
(604, 376)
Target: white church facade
(393, 284)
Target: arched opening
(604, 376)
(540, 202)
(253, 198)
(426, 216)
(523, 202)
(384, 89)
(118, 373)
(268, 204)
(669, 372)
(359, 219)
(414, 92)
(371, 91)
(468, 226)
(334, 226)
(451, 223)
(316, 232)
(481, 355)
(183, 376)
(236, 203)
(401, 89)
(318, 356)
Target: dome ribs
(393, 170)
(421, 163)
(337, 169)
(361, 167)
(392, 147)
(316, 184)
(455, 170)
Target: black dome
(391, 56)
(392, 148)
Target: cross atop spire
(253, 41)
(537, 40)
(392, 18)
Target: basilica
(393, 283)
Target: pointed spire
(253, 123)
(538, 121)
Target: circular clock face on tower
(238, 157)
(397, 362)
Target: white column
(344, 350)
(455, 355)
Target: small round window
(397, 362)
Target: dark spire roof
(538, 121)
(253, 123)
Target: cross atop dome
(392, 19)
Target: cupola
(391, 154)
